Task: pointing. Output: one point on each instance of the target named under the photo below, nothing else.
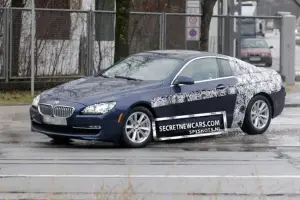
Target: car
(161, 95)
(256, 51)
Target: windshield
(254, 43)
(143, 67)
(248, 29)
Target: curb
(292, 105)
(3, 105)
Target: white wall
(61, 57)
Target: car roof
(178, 54)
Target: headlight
(36, 101)
(99, 108)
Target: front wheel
(258, 116)
(268, 64)
(137, 128)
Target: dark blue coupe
(161, 95)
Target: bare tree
(4, 3)
(207, 12)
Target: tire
(268, 64)
(127, 137)
(248, 125)
(60, 139)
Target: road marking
(147, 176)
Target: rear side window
(225, 68)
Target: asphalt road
(274, 40)
(232, 166)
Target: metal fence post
(33, 29)
(287, 55)
(90, 42)
(162, 31)
(281, 68)
(227, 36)
(7, 42)
(161, 21)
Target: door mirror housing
(183, 80)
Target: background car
(256, 51)
(161, 95)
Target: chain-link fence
(75, 43)
(258, 41)
(3, 42)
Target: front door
(206, 106)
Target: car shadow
(79, 144)
(230, 139)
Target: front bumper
(262, 60)
(87, 127)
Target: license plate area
(254, 58)
(55, 120)
(190, 125)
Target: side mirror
(184, 80)
(271, 47)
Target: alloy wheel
(260, 114)
(138, 127)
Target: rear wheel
(258, 116)
(137, 128)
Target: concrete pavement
(274, 40)
(293, 95)
(230, 166)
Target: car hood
(94, 89)
(255, 50)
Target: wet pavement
(231, 166)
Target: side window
(202, 69)
(225, 68)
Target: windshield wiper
(128, 78)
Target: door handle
(220, 87)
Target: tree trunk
(122, 28)
(16, 36)
(207, 12)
